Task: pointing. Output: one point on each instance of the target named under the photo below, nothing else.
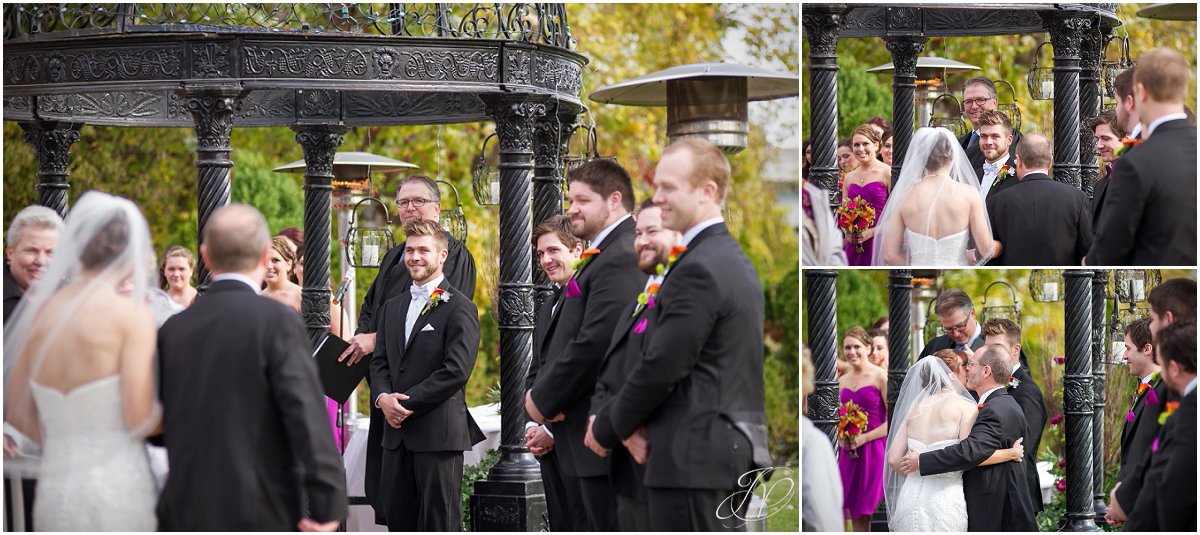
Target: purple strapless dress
(862, 478)
(875, 193)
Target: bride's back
(937, 207)
(937, 418)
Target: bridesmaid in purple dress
(862, 478)
(871, 180)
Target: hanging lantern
(1046, 285)
(453, 219)
(485, 177)
(1011, 109)
(1009, 312)
(1111, 69)
(1041, 79)
(366, 245)
(1132, 286)
(933, 327)
(953, 123)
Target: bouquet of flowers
(855, 217)
(852, 422)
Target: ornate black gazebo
(319, 69)
(1078, 33)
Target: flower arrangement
(436, 298)
(1005, 172)
(646, 299)
(852, 422)
(855, 217)
(1126, 144)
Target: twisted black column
(1077, 400)
(1089, 105)
(212, 111)
(1066, 32)
(52, 142)
(821, 287)
(512, 497)
(319, 142)
(821, 23)
(904, 86)
(550, 138)
(899, 313)
(1099, 375)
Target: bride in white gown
(935, 211)
(79, 372)
(934, 410)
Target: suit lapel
(705, 234)
(426, 312)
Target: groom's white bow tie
(991, 168)
(420, 293)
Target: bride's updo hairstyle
(953, 358)
(109, 242)
(941, 153)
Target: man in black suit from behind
(653, 245)
(1006, 334)
(601, 195)
(424, 354)
(1168, 499)
(956, 313)
(244, 419)
(1150, 203)
(997, 495)
(417, 198)
(979, 96)
(692, 407)
(1039, 220)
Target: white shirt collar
(1016, 367)
(691, 233)
(978, 331)
(985, 395)
(1168, 117)
(1190, 387)
(1137, 129)
(238, 277)
(433, 283)
(1146, 379)
(607, 230)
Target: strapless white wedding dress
(95, 475)
(933, 502)
(926, 251)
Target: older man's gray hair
(33, 217)
(950, 300)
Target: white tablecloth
(362, 517)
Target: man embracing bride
(952, 462)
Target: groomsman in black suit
(653, 245)
(556, 249)
(1108, 134)
(1037, 219)
(423, 357)
(997, 495)
(995, 140)
(1168, 499)
(1006, 333)
(979, 96)
(601, 195)
(417, 198)
(244, 418)
(1150, 203)
(957, 315)
(1127, 112)
(1173, 300)
(692, 407)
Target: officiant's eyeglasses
(960, 327)
(975, 102)
(416, 203)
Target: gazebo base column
(320, 143)
(821, 286)
(52, 142)
(550, 137)
(821, 23)
(212, 108)
(1077, 401)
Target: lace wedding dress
(933, 502)
(926, 251)
(95, 475)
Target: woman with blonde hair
(177, 268)
(279, 271)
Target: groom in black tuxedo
(692, 407)
(1037, 219)
(997, 495)
(957, 315)
(979, 96)
(1006, 333)
(244, 421)
(1150, 203)
(424, 354)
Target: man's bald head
(1035, 151)
(234, 239)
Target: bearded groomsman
(1127, 113)
(424, 353)
(1148, 216)
(1021, 386)
(601, 195)
(653, 245)
(995, 138)
(692, 407)
(979, 96)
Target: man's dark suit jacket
(432, 368)
(1098, 192)
(997, 495)
(579, 333)
(1150, 203)
(1168, 500)
(1029, 396)
(698, 388)
(1136, 438)
(944, 341)
(244, 418)
(1040, 222)
(12, 294)
(975, 155)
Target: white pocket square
(427, 328)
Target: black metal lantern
(1046, 285)
(1119, 322)
(990, 311)
(366, 245)
(1011, 109)
(485, 177)
(933, 327)
(953, 123)
(1041, 79)
(1132, 286)
(453, 219)
(1112, 69)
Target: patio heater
(931, 81)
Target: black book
(337, 379)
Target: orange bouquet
(855, 217)
(852, 422)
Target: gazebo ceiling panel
(954, 20)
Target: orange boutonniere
(646, 299)
(1166, 413)
(1126, 144)
(1005, 172)
(979, 407)
(436, 298)
(673, 257)
(584, 259)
